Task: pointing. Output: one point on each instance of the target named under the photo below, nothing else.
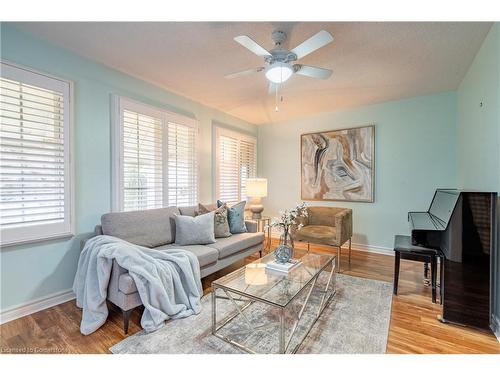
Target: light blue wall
(416, 151)
(414, 154)
(479, 126)
(479, 133)
(33, 271)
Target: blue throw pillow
(236, 217)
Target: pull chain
(276, 100)
(276, 109)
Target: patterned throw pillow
(236, 217)
(221, 225)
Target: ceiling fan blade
(252, 45)
(244, 72)
(312, 71)
(313, 43)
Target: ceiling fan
(280, 62)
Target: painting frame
(371, 199)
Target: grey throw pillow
(198, 230)
(221, 224)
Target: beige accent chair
(330, 226)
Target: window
(35, 178)
(182, 166)
(155, 163)
(236, 160)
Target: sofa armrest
(117, 269)
(116, 272)
(252, 226)
(343, 225)
(97, 232)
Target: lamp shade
(256, 187)
(255, 274)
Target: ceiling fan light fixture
(279, 72)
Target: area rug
(356, 321)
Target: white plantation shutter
(248, 163)
(35, 195)
(228, 180)
(236, 161)
(154, 158)
(182, 165)
(142, 161)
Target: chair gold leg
(339, 255)
(349, 251)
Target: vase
(284, 251)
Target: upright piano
(462, 225)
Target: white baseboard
(373, 249)
(495, 326)
(358, 246)
(35, 305)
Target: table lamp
(256, 189)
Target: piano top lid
(439, 213)
(424, 221)
(443, 204)
(440, 210)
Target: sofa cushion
(236, 243)
(149, 228)
(193, 210)
(206, 255)
(188, 211)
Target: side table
(263, 225)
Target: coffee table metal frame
(242, 296)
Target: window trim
(220, 129)
(36, 233)
(118, 103)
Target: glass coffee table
(265, 311)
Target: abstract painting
(338, 165)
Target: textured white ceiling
(372, 62)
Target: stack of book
(283, 267)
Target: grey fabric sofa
(156, 229)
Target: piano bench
(404, 249)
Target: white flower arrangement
(288, 218)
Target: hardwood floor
(413, 328)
